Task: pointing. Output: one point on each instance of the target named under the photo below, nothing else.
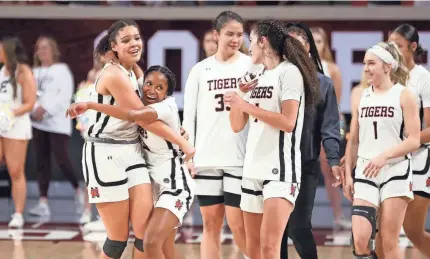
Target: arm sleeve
(291, 84)
(425, 91)
(190, 104)
(330, 128)
(58, 95)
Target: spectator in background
(51, 129)
(17, 98)
(332, 71)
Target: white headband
(383, 54)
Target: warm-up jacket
(321, 126)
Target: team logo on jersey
(166, 180)
(95, 192)
(293, 190)
(410, 186)
(275, 171)
(428, 182)
(179, 204)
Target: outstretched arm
(144, 115)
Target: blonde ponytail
(401, 74)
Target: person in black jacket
(320, 126)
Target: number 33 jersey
(380, 120)
(206, 117)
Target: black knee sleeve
(370, 214)
(138, 243)
(114, 249)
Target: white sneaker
(17, 221)
(343, 224)
(41, 209)
(85, 217)
(95, 226)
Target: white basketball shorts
(219, 185)
(393, 180)
(111, 169)
(255, 192)
(21, 129)
(173, 187)
(421, 172)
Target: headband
(384, 55)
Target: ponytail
(103, 46)
(295, 53)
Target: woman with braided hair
(275, 110)
(173, 182)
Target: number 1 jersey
(206, 117)
(380, 119)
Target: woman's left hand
(374, 166)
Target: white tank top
(380, 119)
(108, 127)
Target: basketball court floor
(60, 237)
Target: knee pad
(370, 214)
(138, 243)
(114, 249)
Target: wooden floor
(87, 250)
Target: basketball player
(320, 126)
(17, 96)
(275, 110)
(114, 168)
(165, 163)
(383, 174)
(219, 151)
(407, 38)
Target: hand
(188, 151)
(191, 168)
(348, 188)
(233, 99)
(184, 134)
(37, 115)
(342, 161)
(374, 166)
(246, 87)
(338, 174)
(76, 109)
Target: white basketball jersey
(106, 126)
(206, 117)
(157, 149)
(419, 84)
(272, 154)
(380, 119)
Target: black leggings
(46, 143)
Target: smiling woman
(115, 171)
(175, 195)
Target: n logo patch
(95, 192)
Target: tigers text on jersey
(108, 127)
(272, 154)
(206, 117)
(419, 84)
(380, 120)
